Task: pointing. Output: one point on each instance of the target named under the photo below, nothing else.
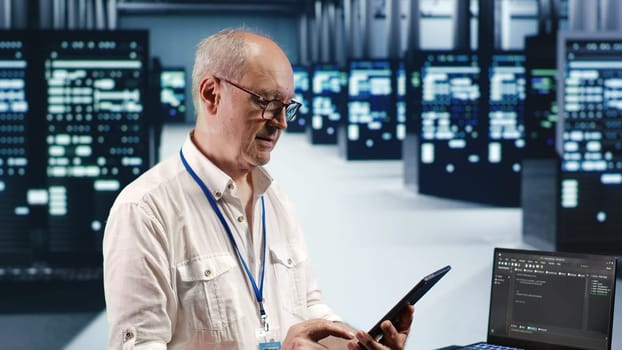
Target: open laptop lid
(551, 300)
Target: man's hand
(394, 337)
(306, 334)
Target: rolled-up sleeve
(140, 300)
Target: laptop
(550, 300)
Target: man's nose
(279, 121)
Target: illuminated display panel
(541, 97)
(450, 99)
(589, 141)
(444, 102)
(507, 98)
(14, 167)
(328, 102)
(302, 90)
(506, 126)
(372, 130)
(468, 110)
(96, 132)
(506, 110)
(73, 134)
(401, 101)
(412, 97)
(173, 85)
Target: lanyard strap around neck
(258, 290)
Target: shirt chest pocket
(209, 292)
(290, 265)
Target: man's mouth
(266, 138)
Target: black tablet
(410, 298)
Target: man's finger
(406, 319)
(368, 342)
(391, 337)
(322, 329)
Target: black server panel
(540, 164)
(73, 132)
(173, 84)
(372, 130)
(328, 103)
(589, 141)
(541, 96)
(15, 239)
(444, 106)
(468, 112)
(302, 90)
(504, 148)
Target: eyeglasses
(271, 109)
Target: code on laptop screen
(552, 298)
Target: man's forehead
(271, 83)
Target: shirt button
(230, 186)
(240, 218)
(128, 335)
(207, 273)
(290, 262)
(218, 194)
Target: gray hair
(222, 54)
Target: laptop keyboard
(484, 346)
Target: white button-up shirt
(172, 277)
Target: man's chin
(261, 159)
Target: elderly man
(204, 251)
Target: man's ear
(209, 94)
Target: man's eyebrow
(272, 94)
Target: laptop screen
(551, 300)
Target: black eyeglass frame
(290, 113)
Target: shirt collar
(216, 180)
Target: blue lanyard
(212, 202)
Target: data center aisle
(370, 239)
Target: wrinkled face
(245, 137)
